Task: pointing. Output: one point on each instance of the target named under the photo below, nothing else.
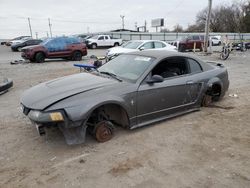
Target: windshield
(127, 67)
(46, 41)
(132, 45)
(95, 37)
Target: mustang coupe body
(131, 91)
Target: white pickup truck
(102, 41)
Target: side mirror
(155, 79)
(142, 48)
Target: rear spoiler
(215, 63)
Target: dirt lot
(208, 148)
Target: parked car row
(195, 41)
(15, 40)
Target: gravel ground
(208, 148)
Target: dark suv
(188, 43)
(69, 48)
(19, 46)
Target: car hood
(120, 50)
(31, 47)
(46, 94)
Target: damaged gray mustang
(131, 91)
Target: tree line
(233, 18)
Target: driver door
(158, 100)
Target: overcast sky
(79, 16)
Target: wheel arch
(45, 55)
(114, 109)
(214, 85)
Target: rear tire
(206, 101)
(93, 46)
(19, 49)
(40, 57)
(182, 48)
(77, 56)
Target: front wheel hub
(103, 131)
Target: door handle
(189, 82)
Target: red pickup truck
(188, 43)
(69, 48)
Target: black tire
(224, 54)
(116, 44)
(40, 57)
(182, 48)
(77, 56)
(94, 46)
(19, 49)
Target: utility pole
(122, 17)
(30, 27)
(145, 26)
(207, 25)
(36, 35)
(50, 28)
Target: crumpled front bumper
(74, 132)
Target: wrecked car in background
(69, 48)
(138, 45)
(132, 90)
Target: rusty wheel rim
(207, 100)
(103, 132)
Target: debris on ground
(5, 85)
(233, 95)
(21, 61)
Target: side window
(69, 41)
(196, 37)
(194, 66)
(159, 45)
(171, 67)
(148, 45)
(56, 45)
(101, 38)
(29, 42)
(106, 38)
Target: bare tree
(225, 18)
(178, 28)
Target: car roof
(145, 41)
(161, 54)
(158, 54)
